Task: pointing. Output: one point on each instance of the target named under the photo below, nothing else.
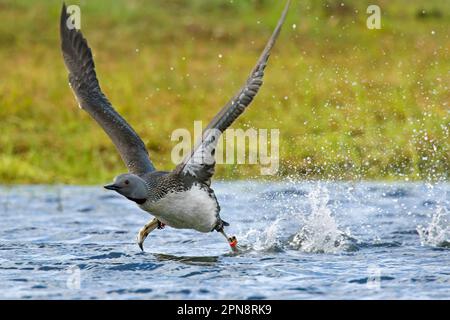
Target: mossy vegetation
(350, 103)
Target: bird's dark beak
(111, 186)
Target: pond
(298, 240)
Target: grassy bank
(350, 103)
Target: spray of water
(320, 232)
(270, 238)
(317, 232)
(437, 233)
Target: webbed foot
(145, 231)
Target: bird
(181, 198)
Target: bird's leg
(145, 231)
(232, 241)
(161, 225)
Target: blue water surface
(298, 240)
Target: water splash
(271, 238)
(437, 233)
(320, 233)
(317, 232)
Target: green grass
(361, 104)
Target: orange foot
(233, 242)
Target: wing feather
(200, 163)
(83, 81)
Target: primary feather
(83, 81)
(200, 162)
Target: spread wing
(83, 81)
(200, 163)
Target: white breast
(191, 209)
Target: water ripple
(297, 240)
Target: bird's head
(131, 186)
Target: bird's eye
(127, 182)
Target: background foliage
(350, 103)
